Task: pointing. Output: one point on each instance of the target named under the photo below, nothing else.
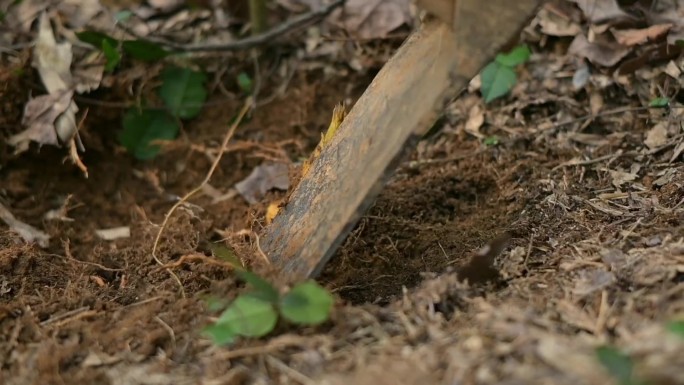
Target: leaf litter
(595, 253)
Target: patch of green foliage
(255, 313)
(182, 90)
(661, 102)
(618, 364)
(676, 327)
(498, 77)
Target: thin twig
(255, 40)
(616, 111)
(229, 134)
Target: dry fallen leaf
(599, 11)
(50, 124)
(369, 19)
(79, 12)
(656, 136)
(27, 232)
(630, 37)
(604, 53)
(553, 24)
(262, 179)
(619, 178)
(40, 115)
(475, 120)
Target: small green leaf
(122, 16)
(679, 43)
(111, 54)
(517, 55)
(183, 91)
(144, 50)
(215, 303)
(95, 38)
(618, 364)
(221, 334)
(140, 128)
(249, 317)
(244, 82)
(497, 80)
(659, 102)
(676, 327)
(491, 140)
(307, 303)
(225, 253)
(262, 289)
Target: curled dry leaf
(40, 115)
(553, 24)
(79, 12)
(373, 18)
(602, 53)
(599, 11)
(631, 37)
(27, 232)
(657, 136)
(51, 118)
(262, 179)
(475, 120)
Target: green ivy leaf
(517, 55)
(142, 127)
(661, 102)
(215, 303)
(491, 140)
(618, 364)
(183, 91)
(245, 82)
(497, 80)
(111, 54)
(96, 39)
(220, 334)
(262, 289)
(224, 253)
(144, 50)
(307, 303)
(122, 16)
(249, 316)
(676, 327)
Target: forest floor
(584, 176)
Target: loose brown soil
(583, 268)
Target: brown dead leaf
(599, 11)
(27, 232)
(262, 179)
(591, 281)
(79, 12)
(604, 53)
(619, 178)
(50, 118)
(553, 24)
(40, 115)
(631, 37)
(475, 120)
(369, 19)
(656, 136)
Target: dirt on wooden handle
(403, 101)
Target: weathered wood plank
(402, 102)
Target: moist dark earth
(596, 255)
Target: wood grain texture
(403, 101)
